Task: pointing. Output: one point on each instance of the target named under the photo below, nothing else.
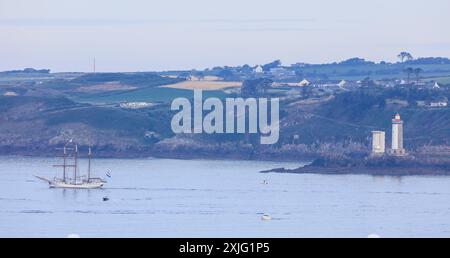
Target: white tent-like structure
(304, 83)
(342, 83)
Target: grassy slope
(146, 83)
(442, 80)
(57, 112)
(351, 116)
(146, 94)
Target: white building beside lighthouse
(397, 137)
(378, 143)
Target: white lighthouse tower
(397, 136)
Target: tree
(184, 75)
(199, 74)
(225, 74)
(264, 84)
(246, 69)
(417, 72)
(355, 61)
(405, 56)
(306, 91)
(408, 71)
(368, 83)
(299, 74)
(248, 89)
(254, 88)
(271, 65)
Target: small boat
(76, 182)
(266, 217)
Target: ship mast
(75, 162)
(64, 164)
(68, 152)
(89, 165)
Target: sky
(138, 35)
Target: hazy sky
(147, 35)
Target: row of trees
(405, 56)
(416, 71)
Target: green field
(442, 80)
(150, 94)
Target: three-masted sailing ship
(71, 178)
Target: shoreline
(372, 165)
(393, 171)
(169, 157)
(167, 154)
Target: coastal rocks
(383, 166)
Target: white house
(10, 94)
(135, 105)
(258, 69)
(438, 104)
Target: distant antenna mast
(94, 65)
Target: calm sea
(203, 198)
